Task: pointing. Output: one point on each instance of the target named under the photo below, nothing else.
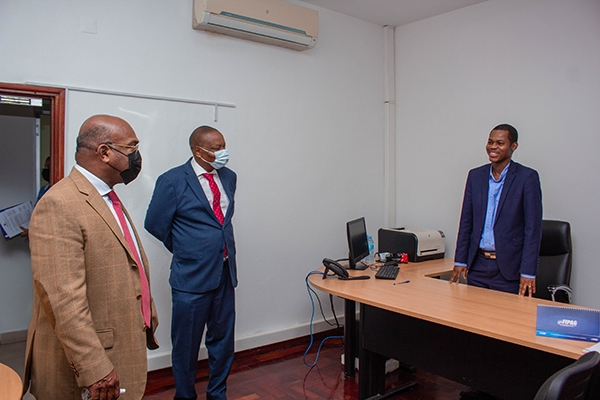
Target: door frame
(57, 98)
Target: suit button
(72, 365)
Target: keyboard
(387, 272)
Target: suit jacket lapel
(483, 188)
(508, 181)
(97, 203)
(194, 184)
(138, 241)
(229, 191)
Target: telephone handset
(335, 267)
(338, 270)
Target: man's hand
(527, 285)
(106, 388)
(24, 233)
(457, 272)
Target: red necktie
(216, 204)
(129, 239)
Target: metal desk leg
(350, 343)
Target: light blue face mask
(221, 158)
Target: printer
(419, 244)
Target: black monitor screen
(358, 245)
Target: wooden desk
(10, 384)
(479, 337)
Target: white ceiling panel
(393, 12)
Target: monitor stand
(359, 266)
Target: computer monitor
(358, 245)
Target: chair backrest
(571, 382)
(593, 392)
(555, 258)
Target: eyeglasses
(128, 146)
(135, 147)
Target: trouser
(191, 312)
(484, 272)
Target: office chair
(554, 271)
(571, 382)
(593, 390)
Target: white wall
(306, 136)
(530, 63)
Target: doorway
(32, 120)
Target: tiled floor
(13, 355)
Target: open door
(56, 97)
(20, 138)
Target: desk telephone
(338, 270)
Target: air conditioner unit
(268, 21)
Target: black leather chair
(571, 382)
(554, 272)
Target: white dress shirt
(103, 189)
(199, 171)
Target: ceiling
(393, 12)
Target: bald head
(102, 147)
(200, 135)
(99, 129)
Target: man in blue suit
(190, 212)
(500, 227)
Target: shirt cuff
(528, 276)
(458, 264)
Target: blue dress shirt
(494, 190)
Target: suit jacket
(518, 224)
(180, 216)
(87, 316)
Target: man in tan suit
(89, 327)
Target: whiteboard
(163, 127)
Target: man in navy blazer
(500, 226)
(190, 212)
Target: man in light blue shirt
(500, 228)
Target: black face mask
(135, 166)
(46, 174)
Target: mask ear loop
(208, 151)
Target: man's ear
(102, 151)
(514, 146)
(196, 151)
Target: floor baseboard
(13, 337)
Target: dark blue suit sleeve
(465, 227)
(532, 235)
(159, 217)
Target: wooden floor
(278, 372)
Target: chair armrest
(555, 288)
